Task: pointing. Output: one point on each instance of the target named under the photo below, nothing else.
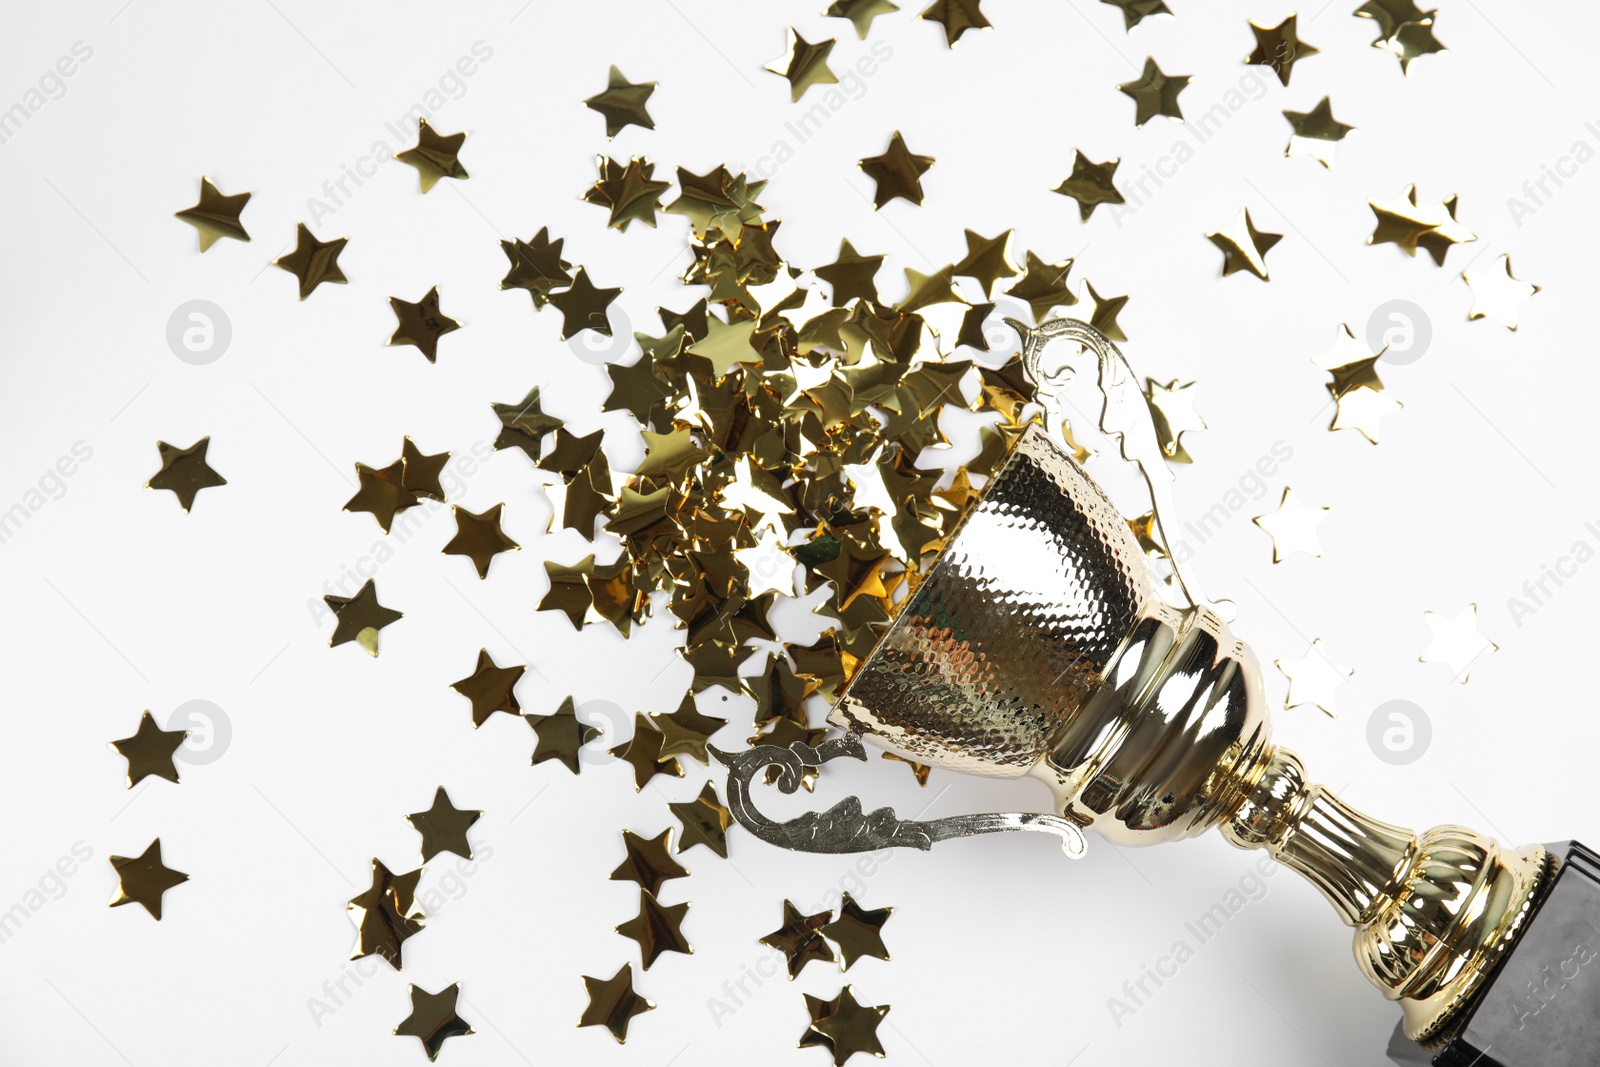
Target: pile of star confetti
(791, 423)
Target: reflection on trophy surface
(1039, 644)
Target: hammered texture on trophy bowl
(1013, 626)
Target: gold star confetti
(479, 538)
(648, 862)
(843, 1026)
(657, 928)
(435, 156)
(1356, 389)
(444, 827)
(216, 216)
(642, 752)
(800, 939)
(725, 345)
(804, 64)
(490, 688)
(359, 618)
(1136, 11)
(715, 200)
(381, 492)
(386, 915)
(149, 751)
(1496, 293)
(897, 173)
(861, 13)
(685, 732)
(142, 879)
(1279, 47)
(313, 262)
(536, 266)
(433, 1019)
(1172, 409)
(629, 192)
(1090, 184)
(1403, 29)
(987, 261)
(1313, 679)
(583, 307)
(1293, 527)
(857, 932)
(524, 424)
(623, 103)
(1244, 247)
(419, 473)
(1410, 225)
(1044, 286)
(560, 735)
(184, 471)
(1102, 311)
(613, 1003)
(1456, 641)
(851, 275)
(421, 324)
(919, 771)
(1315, 133)
(1154, 93)
(957, 17)
(705, 821)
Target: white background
(117, 601)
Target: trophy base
(1542, 1007)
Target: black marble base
(1542, 1007)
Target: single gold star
(1358, 395)
(1103, 311)
(1313, 679)
(1154, 93)
(1315, 133)
(648, 861)
(1292, 527)
(686, 731)
(444, 827)
(359, 618)
(957, 17)
(536, 266)
(216, 215)
(479, 538)
(433, 1019)
(804, 64)
(583, 307)
(149, 751)
(987, 260)
(851, 275)
(1403, 29)
(622, 103)
(800, 939)
(705, 821)
(896, 173)
(846, 1027)
(629, 191)
(643, 753)
(1172, 409)
(490, 688)
(313, 262)
(1043, 286)
(560, 735)
(1136, 11)
(726, 345)
(184, 471)
(1090, 184)
(1456, 641)
(381, 492)
(1244, 247)
(419, 473)
(861, 13)
(143, 879)
(857, 932)
(657, 928)
(524, 424)
(1497, 293)
(1279, 47)
(386, 914)
(613, 1003)
(435, 156)
(421, 324)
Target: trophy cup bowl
(1038, 644)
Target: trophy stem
(1433, 914)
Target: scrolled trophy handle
(1433, 914)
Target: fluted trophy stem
(1433, 914)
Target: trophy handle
(1125, 416)
(845, 828)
